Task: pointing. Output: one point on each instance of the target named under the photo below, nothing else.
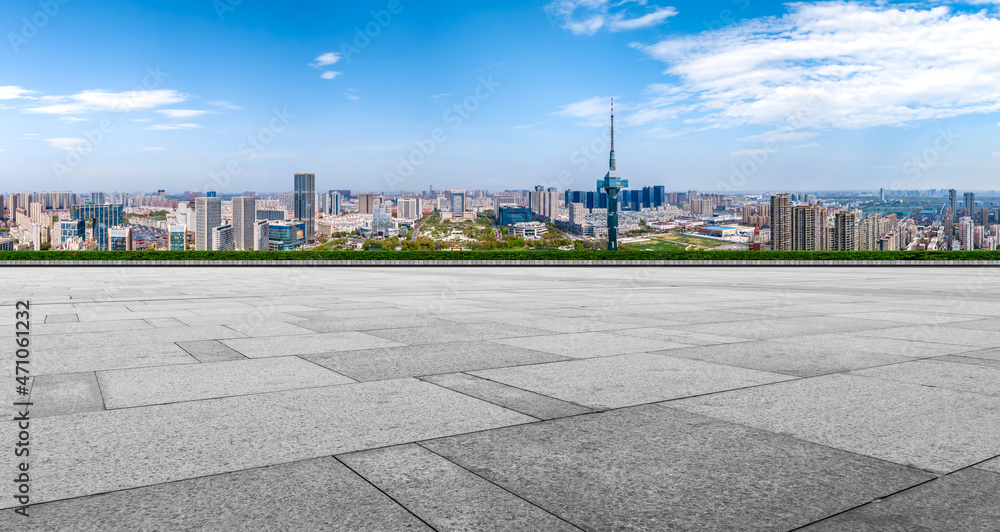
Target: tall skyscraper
(305, 206)
(408, 209)
(244, 216)
(458, 202)
(97, 198)
(953, 201)
(366, 203)
(781, 222)
(969, 206)
(208, 216)
(612, 184)
(335, 203)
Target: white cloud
(620, 23)
(594, 111)
(326, 59)
(883, 167)
(587, 17)
(750, 153)
(330, 75)
(172, 127)
(442, 95)
(72, 119)
(140, 120)
(229, 106)
(13, 92)
(835, 64)
(154, 148)
(182, 113)
(98, 100)
(528, 126)
(350, 94)
(64, 143)
(995, 153)
(810, 145)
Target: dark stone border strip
(491, 263)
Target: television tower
(612, 184)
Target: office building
(507, 216)
(261, 236)
(272, 215)
(334, 203)
(97, 198)
(366, 203)
(70, 229)
(305, 206)
(208, 213)
(286, 236)
(120, 239)
(577, 212)
(781, 222)
(458, 202)
(102, 217)
(953, 202)
(969, 205)
(244, 216)
(177, 237)
(222, 238)
(408, 209)
(6, 244)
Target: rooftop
(510, 398)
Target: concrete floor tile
(165, 323)
(591, 344)
(84, 454)
(645, 468)
(446, 496)
(456, 332)
(678, 338)
(800, 360)
(191, 382)
(210, 351)
(769, 329)
(62, 318)
(319, 494)
(992, 465)
(935, 429)
(428, 359)
(946, 334)
(310, 344)
(329, 325)
(871, 344)
(960, 502)
(65, 394)
(269, 328)
(940, 374)
(523, 401)
(626, 380)
(43, 329)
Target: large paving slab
(456, 332)
(65, 394)
(800, 360)
(935, 429)
(768, 329)
(309, 344)
(959, 502)
(654, 468)
(590, 344)
(191, 382)
(626, 380)
(516, 399)
(318, 494)
(446, 496)
(428, 359)
(85, 453)
(941, 374)
(210, 351)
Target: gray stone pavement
(507, 398)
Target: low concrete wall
(492, 263)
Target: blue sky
(717, 95)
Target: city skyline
(343, 90)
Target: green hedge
(498, 255)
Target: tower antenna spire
(612, 123)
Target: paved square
(508, 398)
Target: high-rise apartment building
(305, 204)
(965, 233)
(208, 215)
(781, 222)
(334, 203)
(846, 231)
(261, 236)
(97, 198)
(577, 213)
(953, 201)
(244, 217)
(969, 205)
(804, 231)
(408, 209)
